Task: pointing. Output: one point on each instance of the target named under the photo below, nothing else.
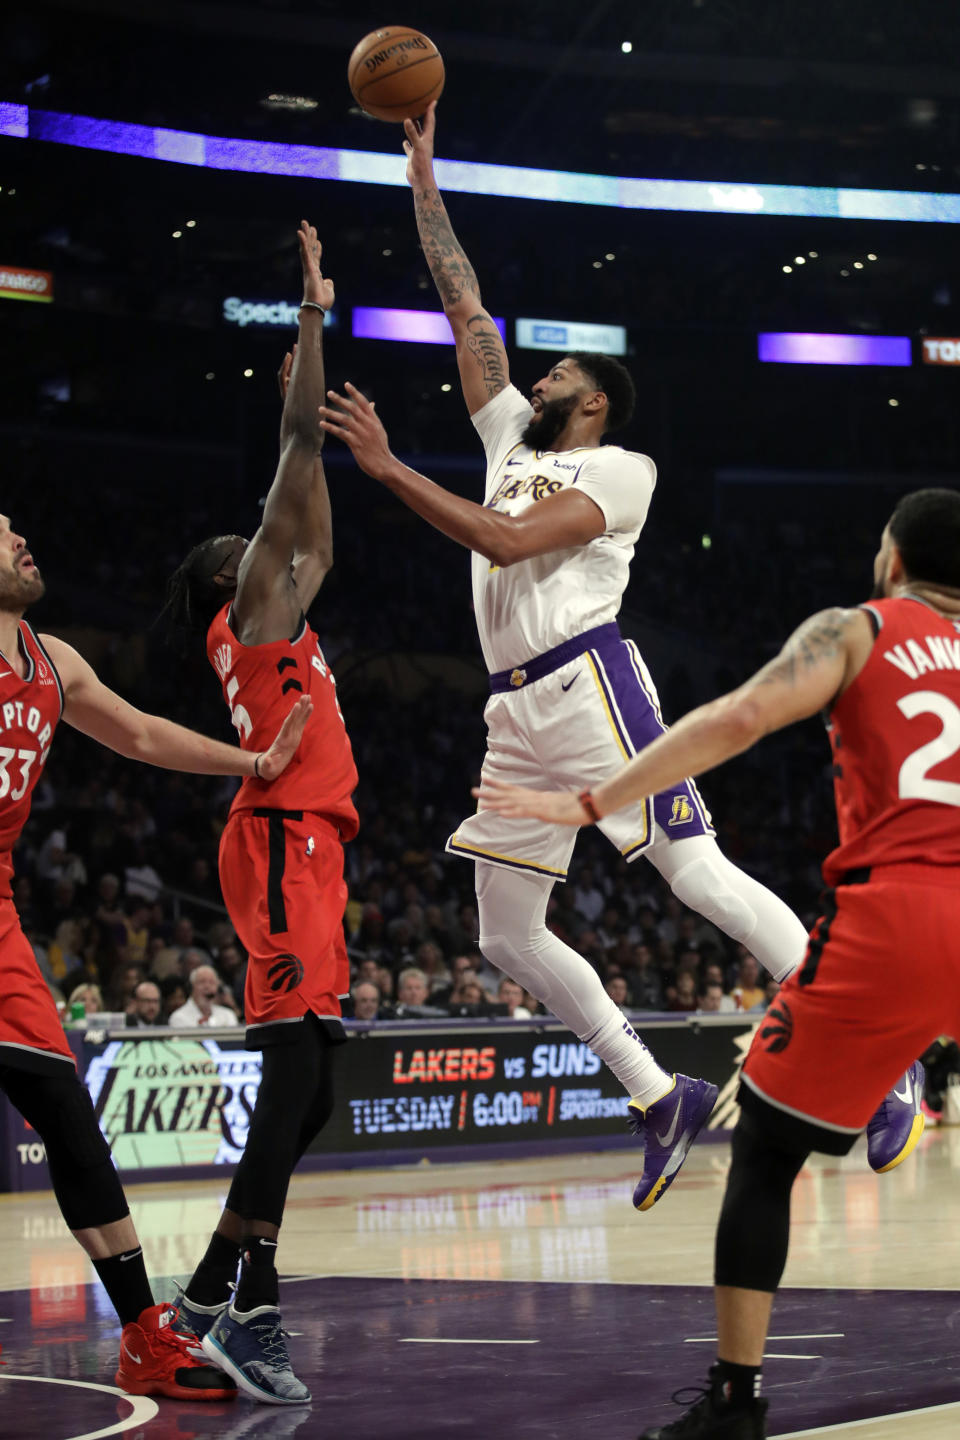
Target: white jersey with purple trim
(532, 606)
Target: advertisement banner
(939, 350)
(179, 1102)
(16, 283)
(571, 335)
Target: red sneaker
(156, 1360)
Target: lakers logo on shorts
(285, 973)
(777, 1028)
(682, 811)
(518, 678)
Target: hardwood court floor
(525, 1298)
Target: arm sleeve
(501, 422)
(621, 482)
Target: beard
(543, 429)
(878, 592)
(20, 591)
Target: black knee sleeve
(86, 1185)
(754, 1229)
(293, 1103)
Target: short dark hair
(925, 527)
(193, 595)
(614, 380)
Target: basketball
(395, 72)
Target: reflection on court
(386, 1269)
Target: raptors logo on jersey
(260, 684)
(895, 735)
(29, 710)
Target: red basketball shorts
(281, 872)
(879, 982)
(31, 1032)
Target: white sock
(514, 937)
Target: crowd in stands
(116, 874)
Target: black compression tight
(294, 1103)
(754, 1230)
(86, 1185)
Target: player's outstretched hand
(274, 761)
(283, 374)
(418, 145)
(315, 288)
(557, 807)
(354, 420)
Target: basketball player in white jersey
(571, 700)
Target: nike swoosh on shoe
(668, 1136)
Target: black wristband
(256, 767)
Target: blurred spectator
(712, 998)
(588, 899)
(122, 985)
(748, 991)
(137, 926)
(108, 910)
(140, 878)
(174, 994)
(202, 1007)
(366, 1001)
(63, 953)
(22, 889)
(412, 987)
(509, 993)
(646, 991)
(146, 1006)
(713, 977)
(685, 995)
(89, 996)
(55, 862)
(458, 965)
(616, 988)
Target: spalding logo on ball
(395, 72)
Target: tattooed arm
(817, 664)
(481, 355)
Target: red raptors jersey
(895, 734)
(261, 683)
(29, 711)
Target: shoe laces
(697, 1399)
(273, 1338)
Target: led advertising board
(799, 348)
(571, 335)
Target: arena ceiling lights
(509, 181)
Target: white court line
(143, 1408)
(775, 1355)
(417, 1340)
(876, 1420)
(827, 1335)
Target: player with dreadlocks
(281, 856)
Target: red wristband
(586, 800)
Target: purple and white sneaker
(893, 1132)
(669, 1127)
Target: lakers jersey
(527, 608)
